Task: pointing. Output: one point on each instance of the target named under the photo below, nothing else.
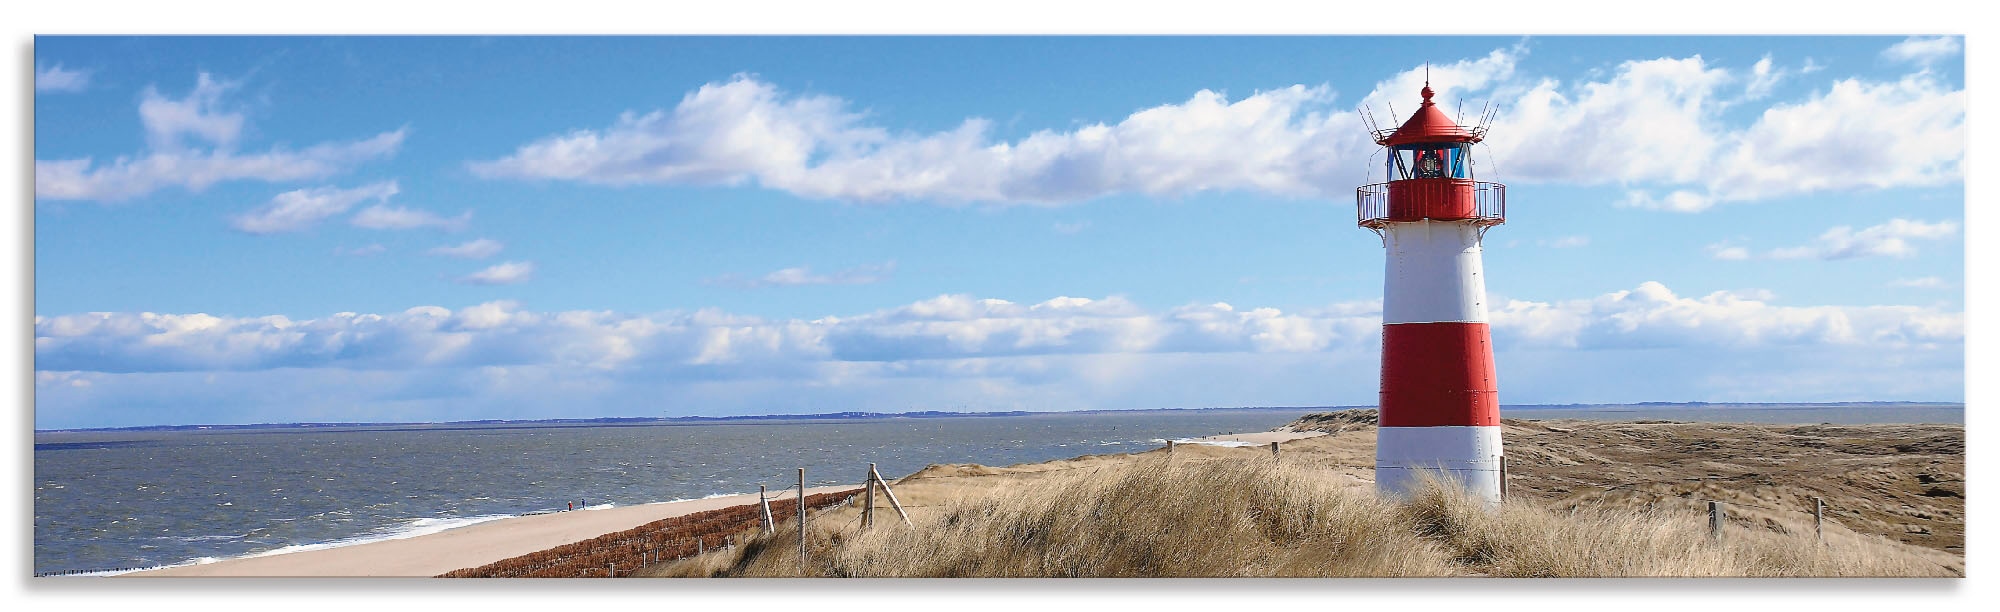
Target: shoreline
(431, 554)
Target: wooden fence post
(868, 507)
(612, 572)
(1170, 449)
(1714, 521)
(1274, 452)
(765, 502)
(1819, 516)
(877, 478)
(802, 520)
(1503, 478)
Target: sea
(111, 501)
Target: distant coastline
(934, 414)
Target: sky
(338, 229)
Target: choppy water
(144, 499)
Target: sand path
(469, 546)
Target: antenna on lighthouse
(1368, 119)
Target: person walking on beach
(572, 505)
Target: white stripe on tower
(1434, 273)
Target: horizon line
(606, 420)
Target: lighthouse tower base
(1468, 457)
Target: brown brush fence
(626, 551)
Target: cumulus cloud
(508, 273)
(1655, 126)
(1923, 50)
(1657, 122)
(55, 79)
(1284, 141)
(1652, 316)
(1891, 239)
(299, 209)
(476, 249)
(793, 277)
(193, 143)
(200, 114)
(942, 333)
(1886, 240)
(385, 217)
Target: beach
(469, 546)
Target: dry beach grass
(1223, 518)
(1587, 500)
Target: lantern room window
(1429, 160)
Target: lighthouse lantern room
(1440, 410)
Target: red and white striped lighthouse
(1439, 408)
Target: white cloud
(56, 79)
(793, 277)
(192, 144)
(1855, 134)
(1926, 282)
(385, 217)
(299, 209)
(499, 360)
(1728, 252)
(1654, 126)
(199, 115)
(1678, 201)
(1886, 240)
(1565, 242)
(1283, 141)
(938, 331)
(1652, 316)
(476, 249)
(1763, 78)
(508, 273)
(1922, 50)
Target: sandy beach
(469, 546)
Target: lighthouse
(1440, 410)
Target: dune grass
(1221, 518)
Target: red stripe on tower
(1438, 374)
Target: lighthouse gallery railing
(1372, 204)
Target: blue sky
(249, 229)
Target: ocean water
(139, 499)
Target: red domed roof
(1428, 125)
